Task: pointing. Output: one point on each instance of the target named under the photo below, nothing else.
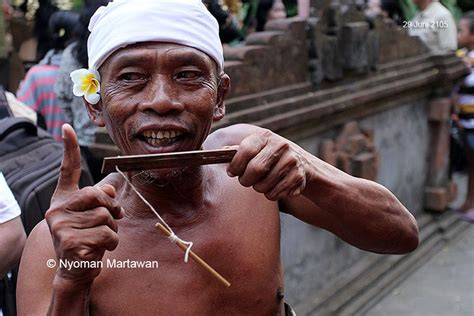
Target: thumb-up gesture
(81, 221)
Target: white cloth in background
(9, 208)
(125, 22)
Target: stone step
(356, 296)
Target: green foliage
(77, 4)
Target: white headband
(125, 22)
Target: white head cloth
(125, 22)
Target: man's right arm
(79, 226)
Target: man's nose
(162, 98)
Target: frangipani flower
(86, 84)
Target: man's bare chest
(241, 242)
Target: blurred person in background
(435, 26)
(229, 30)
(75, 57)
(37, 89)
(465, 108)
(391, 9)
(12, 241)
(42, 32)
(268, 10)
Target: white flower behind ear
(86, 84)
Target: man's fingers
(70, 171)
(261, 165)
(247, 150)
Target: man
(465, 107)
(162, 85)
(435, 26)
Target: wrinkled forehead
(163, 52)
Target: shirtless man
(230, 212)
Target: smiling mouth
(161, 137)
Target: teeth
(160, 137)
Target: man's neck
(425, 4)
(178, 197)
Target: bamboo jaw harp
(168, 160)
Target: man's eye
(132, 77)
(188, 75)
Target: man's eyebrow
(189, 58)
(182, 58)
(129, 60)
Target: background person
(465, 107)
(12, 234)
(37, 89)
(435, 26)
(75, 57)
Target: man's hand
(271, 164)
(82, 222)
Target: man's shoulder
(439, 11)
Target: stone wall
(315, 259)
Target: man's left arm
(361, 212)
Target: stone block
(439, 155)
(355, 47)
(328, 152)
(248, 53)
(344, 162)
(440, 110)
(331, 58)
(436, 198)
(356, 144)
(267, 38)
(365, 166)
(373, 49)
(452, 190)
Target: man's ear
(222, 90)
(95, 113)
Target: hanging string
(173, 237)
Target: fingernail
(230, 174)
(62, 132)
(296, 192)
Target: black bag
(29, 160)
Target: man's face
(465, 38)
(159, 97)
